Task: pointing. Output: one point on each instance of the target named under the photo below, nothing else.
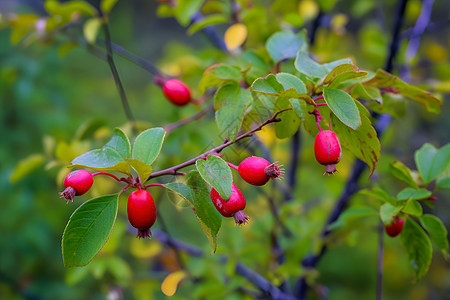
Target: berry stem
(153, 184)
(321, 104)
(318, 98)
(232, 166)
(174, 170)
(107, 174)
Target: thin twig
(137, 60)
(173, 170)
(170, 127)
(115, 73)
(379, 290)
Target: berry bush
(168, 118)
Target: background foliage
(58, 104)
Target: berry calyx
(327, 150)
(176, 92)
(395, 228)
(141, 211)
(233, 207)
(76, 183)
(257, 170)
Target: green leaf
(414, 194)
(338, 70)
(331, 65)
(88, 230)
(443, 183)
(363, 142)
(437, 231)
(120, 143)
(26, 166)
(215, 171)
(413, 207)
(141, 168)
(231, 102)
(289, 120)
(379, 194)
(67, 9)
(402, 172)
(147, 145)
(107, 5)
(431, 162)
(105, 159)
(209, 218)
(284, 45)
(304, 64)
(218, 74)
(183, 191)
(206, 21)
(343, 106)
(90, 30)
(383, 79)
(110, 157)
(418, 246)
(268, 85)
(185, 9)
(299, 108)
(289, 81)
(388, 211)
(366, 92)
(347, 76)
(350, 215)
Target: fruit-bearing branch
(174, 170)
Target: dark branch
(115, 73)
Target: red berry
(395, 227)
(141, 212)
(233, 207)
(257, 171)
(177, 92)
(76, 183)
(327, 150)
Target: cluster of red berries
(255, 171)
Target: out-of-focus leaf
(414, 194)
(107, 5)
(437, 231)
(351, 214)
(88, 230)
(235, 36)
(418, 246)
(402, 172)
(379, 194)
(206, 21)
(185, 9)
(383, 79)
(285, 44)
(367, 93)
(170, 283)
(26, 166)
(413, 207)
(388, 211)
(90, 29)
(431, 162)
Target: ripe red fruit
(76, 183)
(395, 227)
(327, 150)
(257, 170)
(233, 207)
(176, 92)
(141, 212)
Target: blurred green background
(58, 107)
